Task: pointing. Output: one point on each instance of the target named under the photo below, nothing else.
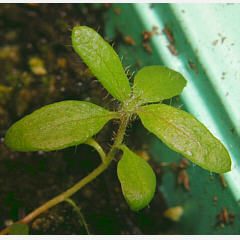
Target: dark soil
(40, 34)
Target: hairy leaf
(186, 135)
(19, 229)
(102, 60)
(57, 126)
(155, 83)
(137, 179)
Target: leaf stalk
(106, 160)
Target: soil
(39, 67)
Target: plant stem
(78, 210)
(119, 138)
(60, 198)
(63, 196)
(93, 143)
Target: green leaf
(102, 60)
(155, 83)
(57, 126)
(186, 135)
(19, 229)
(137, 179)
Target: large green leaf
(186, 135)
(155, 83)
(57, 126)
(102, 60)
(137, 179)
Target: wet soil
(39, 67)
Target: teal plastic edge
(200, 211)
(209, 100)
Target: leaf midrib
(173, 125)
(106, 67)
(84, 119)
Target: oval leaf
(102, 60)
(186, 135)
(57, 126)
(137, 179)
(156, 83)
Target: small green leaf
(156, 83)
(57, 126)
(186, 135)
(102, 60)
(137, 179)
(19, 229)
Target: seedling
(70, 123)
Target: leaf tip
(138, 181)
(227, 167)
(9, 136)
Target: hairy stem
(119, 138)
(78, 210)
(65, 195)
